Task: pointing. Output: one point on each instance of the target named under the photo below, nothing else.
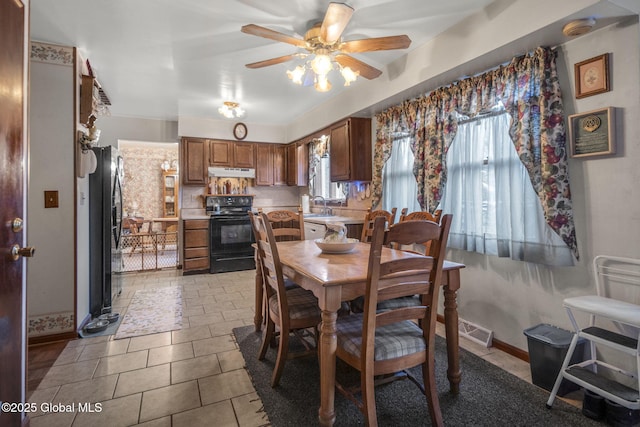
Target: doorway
(150, 199)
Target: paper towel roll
(305, 203)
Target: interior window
(399, 187)
(488, 190)
(320, 174)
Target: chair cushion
(394, 340)
(302, 304)
(357, 305)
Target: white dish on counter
(337, 247)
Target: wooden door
(340, 152)
(13, 157)
(279, 165)
(194, 161)
(221, 153)
(244, 155)
(264, 164)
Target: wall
(51, 272)
(143, 176)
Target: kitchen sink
(317, 215)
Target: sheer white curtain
(495, 208)
(399, 187)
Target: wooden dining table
(334, 278)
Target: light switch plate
(51, 199)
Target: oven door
(231, 234)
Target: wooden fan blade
(256, 30)
(377, 43)
(335, 20)
(272, 61)
(365, 70)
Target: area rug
(152, 311)
(489, 396)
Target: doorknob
(17, 252)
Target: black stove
(231, 233)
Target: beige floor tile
(170, 353)
(158, 422)
(191, 369)
(190, 334)
(250, 411)
(241, 313)
(205, 319)
(221, 412)
(193, 311)
(226, 328)
(69, 355)
(93, 390)
(169, 400)
(218, 307)
(150, 341)
(244, 303)
(54, 419)
(69, 373)
(109, 348)
(122, 363)
(233, 296)
(230, 360)
(143, 380)
(215, 290)
(213, 345)
(42, 395)
(115, 413)
(80, 342)
(225, 386)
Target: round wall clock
(240, 131)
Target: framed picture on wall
(592, 76)
(592, 133)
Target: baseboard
(503, 346)
(45, 339)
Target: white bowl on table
(336, 247)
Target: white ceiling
(163, 59)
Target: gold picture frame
(592, 76)
(592, 133)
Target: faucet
(324, 201)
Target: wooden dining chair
(292, 311)
(367, 227)
(378, 343)
(420, 215)
(287, 225)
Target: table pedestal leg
(451, 329)
(328, 345)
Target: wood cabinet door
(292, 169)
(279, 165)
(244, 155)
(194, 161)
(221, 153)
(340, 152)
(264, 164)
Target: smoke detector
(578, 27)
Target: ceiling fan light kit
(323, 43)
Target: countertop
(323, 220)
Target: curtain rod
(481, 116)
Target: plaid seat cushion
(357, 305)
(394, 340)
(302, 304)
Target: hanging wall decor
(592, 133)
(592, 76)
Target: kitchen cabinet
(196, 245)
(221, 153)
(232, 154)
(351, 150)
(271, 164)
(195, 153)
(170, 193)
(297, 163)
(244, 155)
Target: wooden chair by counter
(367, 227)
(378, 343)
(292, 311)
(287, 225)
(422, 215)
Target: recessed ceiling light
(578, 27)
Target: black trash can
(548, 346)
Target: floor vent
(475, 333)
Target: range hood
(232, 172)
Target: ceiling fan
(324, 42)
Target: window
(320, 174)
(495, 208)
(399, 188)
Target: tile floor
(187, 377)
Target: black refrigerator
(105, 229)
